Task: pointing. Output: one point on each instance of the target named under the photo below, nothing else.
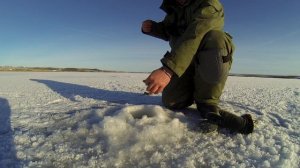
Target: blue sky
(105, 34)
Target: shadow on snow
(69, 91)
(8, 156)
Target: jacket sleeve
(205, 19)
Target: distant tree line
(49, 69)
(267, 76)
(52, 69)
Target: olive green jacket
(184, 28)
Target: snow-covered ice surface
(104, 120)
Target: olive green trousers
(205, 78)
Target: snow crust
(104, 120)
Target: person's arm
(207, 18)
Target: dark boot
(249, 126)
(243, 124)
(209, 125)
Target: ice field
(104, 120)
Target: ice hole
(140, 112)
(146, 111)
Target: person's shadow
(8, 156)
(69, 91)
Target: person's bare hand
(147, 26)
(157, 81)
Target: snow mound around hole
(136, 133)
